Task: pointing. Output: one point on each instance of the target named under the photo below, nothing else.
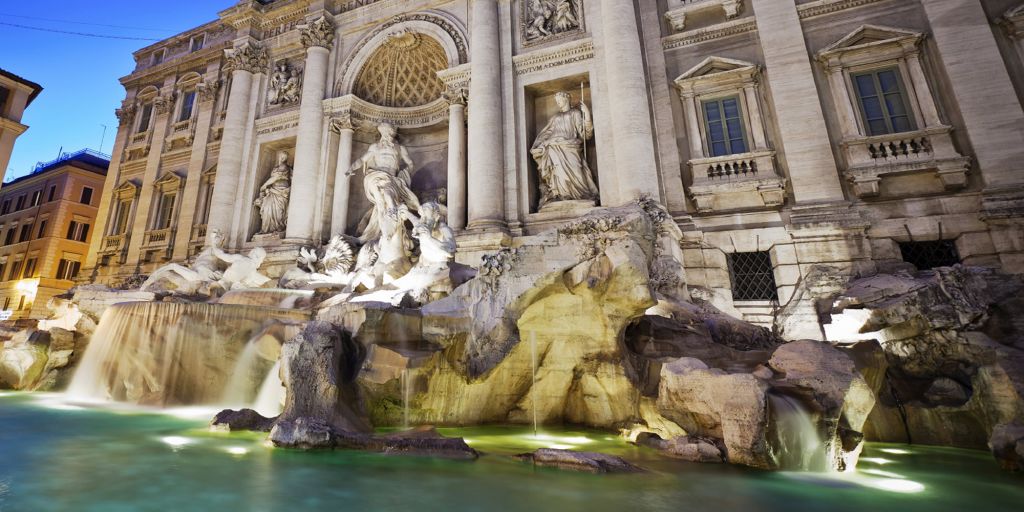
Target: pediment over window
(169, 181)
(126, 190)
(717, 72)
(877, 40)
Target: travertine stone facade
(16, 93)
(812, 131)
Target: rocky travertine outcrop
(230, 420)
(688, 448)
(1007, 444)
(318, 368)
(588, 462)
(953, 341)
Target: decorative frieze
(820, 7)
(285, 87)
(727, 29)
(248, 57)
(456, 95)
(545, 20)
(539, 60)
(318, 33)
(367, 114)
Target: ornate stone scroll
(248, 57)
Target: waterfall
(270, 399)
(406, 385)
(163, 353)
(240, 388)
(798, 444)
(533, 385)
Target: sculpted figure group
(213, 271)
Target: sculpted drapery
(273, 199)
(387, 177)
(558, 151)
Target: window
(52, 194)
(78, 231)
(42, 229)
(4, 94)
(86, 195)
(3, 266)
(26, 232)
(187, 102)
(37, 197)
(21, 303)
(198, 41)
(882, 102)
(752, 276)
(6, 208)
(15, 270)
(145, 117)
(7, 303)
(9, 239)
(20, 204)
(158, 57)
(724, 126)
(30, 268)
(121, 223)
(166, 215)
(67, 269)
(931, 254)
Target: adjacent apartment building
(16, 94)
(46, 221)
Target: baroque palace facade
(780, 134)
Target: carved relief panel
(542, 20)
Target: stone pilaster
(342, 186)
(125, 115)
(246, 60)
(987, 101)
(318, 38)
(809, 158)
(162, 106)
(456, 157)
(206, 94)
(486, 181)
(635, 161)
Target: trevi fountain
(410, 363)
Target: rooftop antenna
(103, 138)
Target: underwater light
(176, 442)
(896, 485)
(895, 451)
(237, 450)
(879, 472)
(876, 460)
(559, 446)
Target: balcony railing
(113, 243)
(158, 238)
(869, 159)
(736, 167)
(198, 233)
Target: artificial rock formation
(951, 351)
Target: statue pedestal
(557, 213)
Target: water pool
(56, 457)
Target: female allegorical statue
(558, 151)
(273, 198)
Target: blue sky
(80, 74)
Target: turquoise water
(59, 458)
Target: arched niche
(442, 29)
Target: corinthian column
(456, 157)
(627, 102)
(486, 158)
(317, 37)
(246, 60)
(339, 212)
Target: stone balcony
(158, 238)
(677, 16)
(870, 159)
(138, 145)
(113, 244)
(741, 181)
(197, 239)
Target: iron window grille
(931, 254)
(752, 276)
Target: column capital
(162, 104)
(249, 57)
(343, 122)
(456, 96)
(126, 112)
(317, 33)
(207, 90)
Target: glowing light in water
(176, 442)
(876, 460)
(895, 451)
(237, 450)
(895, 485)
(879, 472)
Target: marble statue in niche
(273, 197)
(387, 176)
(213, 271)
(559, 151)
(546, 18)
(284, 86)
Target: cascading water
(533, 385)
(798, 444)
(270, 399)
(270, 297)
(160, 353)
(406, 388)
